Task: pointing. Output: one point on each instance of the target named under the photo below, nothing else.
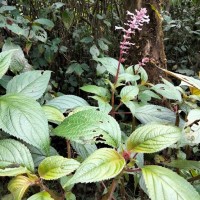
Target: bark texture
(149, 41)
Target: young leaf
(67, 102)
(48, 24)
(55, 167)
(53, 114)
(41, 196)
(103, 164)
(165, 184)
(14, 152)
(13, 171)
(184, 164)
(128, 93)
(110, 64)
(32, 83)
(5, 60)
(23, 118)
(100, 91)
(153, 137)
(87, 124)
(19, 185)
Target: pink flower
(135, 22)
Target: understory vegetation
(81, 117)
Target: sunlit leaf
(88, 124)
(13, 152)
(153, 137)
(41, 196)
(103, 164)
(32, 83)
(22, 117)
(128, 93)
(165, 184)
(55, 167)
(19, 185)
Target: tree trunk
(149, 41)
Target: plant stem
(69, 155)
(112, 189)
(194, 178)
(132, 170)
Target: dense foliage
(77, 122)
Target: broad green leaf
(168, 90)
(128, 93)
(68, 18)
(143, 74)
(13, 171)
(39, 155)
(18, 61)
(5, 60)
(165, 184)
(103, 104)
(23, 118)
(84, 150)
(55, 167)
(41, 196)
(110, 64)
(184, 164)
(153, 137)
(53, 114)
(48, 24)
(193, 116)
(4, 81)
(83, 126)
(67, 102)
(39, 33)
(13, 152)
(100, 91)
(103, 164)
(94, 51)
(70, 196)
(32, 83)
(19, 185)
(128, 77)
(153, 113)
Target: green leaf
(67, 102)
(103, 103)
(153, 113)
(39, 155)
(13, 171)
(5, 61)
(70, 196)
(184, 164)
(18, 61)
(84, 150)
(41, 196)
(68, 18)
(165, 184)
(110, 64)
(39, 33)
(23, 118)
(4, 81)
(13, 152)
(168, 90)
(48, 24)
(103, 164)
(19, 185)
(193, 116)
(100, 91)
(87, 124)
(55, 167)
(128, 93)
(53, 114)
(153, 137)
(32, 83)
(94, 51)
(143, 74)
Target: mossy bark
(149, 41)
